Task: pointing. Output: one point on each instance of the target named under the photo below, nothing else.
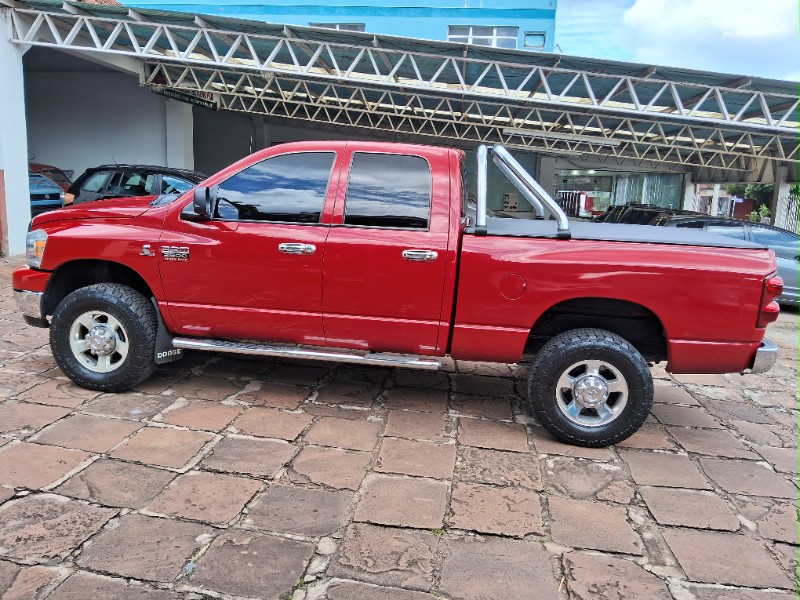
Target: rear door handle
(295, 248)
(420, 255)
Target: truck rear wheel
(590, 387)
(103, 337)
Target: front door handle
(420, 255)
(295, 248)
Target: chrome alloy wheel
(591, 393)
(98, 341)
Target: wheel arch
(76, 274)
(636, 323)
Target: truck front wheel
(590, 387)
(103, 337)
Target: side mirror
(205, 199)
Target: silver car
(785, 244)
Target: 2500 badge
(175, 253)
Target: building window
(340, 26)
(535, 40)
(497, 37)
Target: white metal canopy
(545, 102)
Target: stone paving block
(8, 572)
(484, 368)
(82, 586)
(87, 432)
(591, 576)
(300, 511)
(619, 492)
(649, 437)
(580, 478)
(211, 416)
(775, 519)
(128, 406)
(726, 558)
(749, 478)
(27, 418)
(730, 405)
(351, 393)
(160, 381)
(241, 367)
(488, 434)
(480, 385)
(353, 590)
(402, 502)
(4, 441)
(684, 416)
(272, 423)
(395, 557)
(711, 442)
(609, 528)
(163, 447)
(418, 426)
(12, 384)
(44, 528)
(6, 493)
(276, 395)
(33, 363)
(146, 548)
(667, 470)
(306, 374)
(547, 444)
(325, 410)
(495, 568)
(788, 557)
(420, 459)
(116, 483)
(58, 392)
(423, 400)
(259, 458)
(672, 394)
(480, 465)
(333, 467)
(697, 592)
(273, 566)
(689, 508)
(343, 433)
(502, 511)
(783, 459)
(488, 407)
(428, 380)
(34, 466)
(209, 497)
(207, 388)
(756, 433)
(702, 379)
(32, 582)
(360, 373)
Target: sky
(741, 37)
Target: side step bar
(256, 349)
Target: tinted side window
(387, 190)
(783, 243)
(691, 224)
(95, 182)
(731, 230)
(290, 189)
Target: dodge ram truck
(370, 253)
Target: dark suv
(124, 181)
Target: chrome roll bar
(480, 209)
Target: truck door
(254, 270)
(385, 257)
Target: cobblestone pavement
(224, 477)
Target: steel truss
(455, 94)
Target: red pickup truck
(370, 253)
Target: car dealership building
(87, 84)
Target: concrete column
(546, 174)
(15, 200)
(715, 200)
(688, 193)
(180, 135)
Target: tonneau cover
(612, 232)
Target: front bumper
(30, 305)
(765, 358)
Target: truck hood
(116, 208)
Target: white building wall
(81, 120)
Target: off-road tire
(137, 315)
(564, 350)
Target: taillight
(769, 312)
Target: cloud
(727, 36)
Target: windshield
(56, 175)
(40, 182)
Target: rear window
(387, 190)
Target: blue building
(526, 25)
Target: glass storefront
(589, 192)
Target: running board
(255, 349)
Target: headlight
(34, 247)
